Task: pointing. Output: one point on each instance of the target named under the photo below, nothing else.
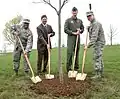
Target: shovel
(82, 76)
(33, 78)
(49, 76)
(73, 73)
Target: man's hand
(49, 35)
(48, 46)
(76, 33)
(16, 33)
(85, 47)
(25, 53)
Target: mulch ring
(53, 87)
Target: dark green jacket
(71, 25)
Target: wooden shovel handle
(28, 62)
(75, 52)
(84, 55)
(49, 56)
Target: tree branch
(64, 2)
(48, 2)
(115, 34)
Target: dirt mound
(71, 87)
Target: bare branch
(115, 34)
(114, 30)
(64, 2)
(48, 2)
(36, 2)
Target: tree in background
(113, 32)
(59, 32)
(6, 32)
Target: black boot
(16, 72)
(27, 74)
(44, 70)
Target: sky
(106, 12)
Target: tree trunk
(111, 38)
(59, 45)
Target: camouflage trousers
(17, 58)
(97, 57)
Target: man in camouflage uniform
(97, 40)
(73, 27)
(26, 38)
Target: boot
(44, 70)
(101, 74)
(16, 72)
(27, 74)
(96, 76)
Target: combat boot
(27, 74)
(101, 74)
(97, 75)
(16, 73)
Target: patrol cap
(89, 13)
(26, 21)
(74, 9)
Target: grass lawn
(18, 87)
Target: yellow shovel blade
(36, 79)
(49, 76)
(81, 76)
(72, 74)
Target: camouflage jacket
(96, 34)
(26, 38)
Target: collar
(45, 25)
(74, 18)
(93, 21)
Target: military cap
(26, 21)
(89, 13)
(74, 9)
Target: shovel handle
(84, 55)
(26, 56)
(75, 52)
(49, 56)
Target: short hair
(43, 16)
(74, 9)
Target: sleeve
(94, 35)
(52, 32)
(40, 36)
(82, 27)
(29, 43)
(66, 29)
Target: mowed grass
(18, 87)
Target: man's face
(90, 17)
(26, 25)
(44, 20)
(74, 13)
